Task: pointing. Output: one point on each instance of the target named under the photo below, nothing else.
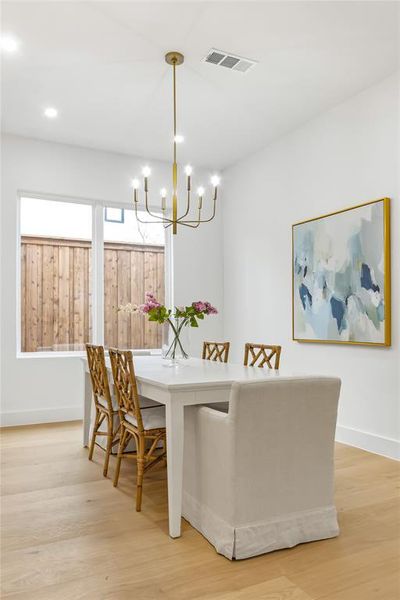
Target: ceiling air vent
(228, 60)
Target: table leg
(87, 405)
(175, 431)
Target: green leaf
(193, 322)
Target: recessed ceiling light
(50, 112)
(9, 43)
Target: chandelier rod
(174, 166)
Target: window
(61, 284)
(133, 265)
(114, 215)
(56, 241)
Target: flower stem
(177, 331)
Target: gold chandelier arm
(159, 219)
(187, 224)
(148, 210)
(202, 220)
(187, 207)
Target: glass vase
(175, 341)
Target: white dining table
(192, 381)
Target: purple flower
(204, 307)
(199, 306)
(144, 308)
(210, 310)
(151, 302)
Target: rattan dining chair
(260, 355)
(106, 408)
(146, 427)
(217, 351)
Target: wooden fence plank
(31, 303)
(56, 297)
(48, 297)
(63, 324)
(150, 283)
(137, 297)
(71, 282)
(124, 296)
(78, 278)
(110, 298)
(23, 296)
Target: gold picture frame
(386, 279)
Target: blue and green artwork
(340, 278)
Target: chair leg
(140, 472)
(95, 427)
(119, 455)
(109, 443)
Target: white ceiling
(102, 65)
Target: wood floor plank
(280, 588)
(68, 534)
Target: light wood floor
(68, 534)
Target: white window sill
(80, 354)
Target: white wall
(49, 389)
(346, 156)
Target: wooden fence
(56, 294)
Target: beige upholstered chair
(217, 351)
(260, 477)
(145, 425)
(106, 408)
(260, 355)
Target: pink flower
(204, 307)
(199, 306)
(210, 310)
(151, 302)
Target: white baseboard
(368, 441)
(41, 415)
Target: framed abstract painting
(341, 276)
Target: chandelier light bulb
(146, 171)
(200, 191)
(179, 138)
(215, 180)
(188, 170)
(9, 44)
(135, 183)
(50, 112)
(163, 193)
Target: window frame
(98, 217)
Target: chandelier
(171, 217)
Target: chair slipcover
(260, 477)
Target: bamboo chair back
(217, 351)
(98, 374)
(258, 355)
(125, 384)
